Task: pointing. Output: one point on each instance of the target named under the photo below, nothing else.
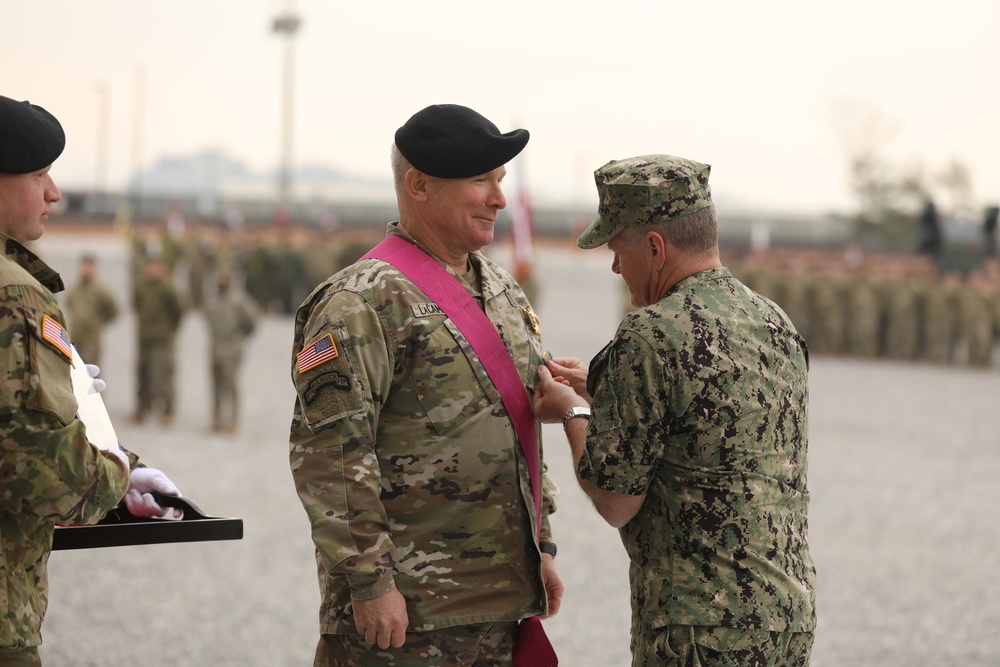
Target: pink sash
(533, 648)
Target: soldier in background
(796, 297)
(863, 303)
(90, 307)
(288, 275)
(902, 315)
(977, 313)
(940, 317)
(321, 256)
(826, 324)
(197, 257)
(231, 317)
(258, 271)
(159, 308)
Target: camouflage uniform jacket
(404, 457)
(159, 309)
(231, 317)
(700, 403)
(49, 473)
(90, 306)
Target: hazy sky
(770, 93)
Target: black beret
(30, 137)
(452, 141)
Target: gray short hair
(694, 234)
(400, 165)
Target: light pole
(286, 26)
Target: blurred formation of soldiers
(893, 306)
(89, 306)
(232, 275)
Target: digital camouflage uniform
(404, 457)
(700, 405)
(90, 307)
(49, 472)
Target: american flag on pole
(54, 332)
(319, 352)
(522, 226)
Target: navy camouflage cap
(30, 137)
(644, 190)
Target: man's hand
(138, 500)
(553, 398)
(553, 584)
(572, 371)
(382, 620)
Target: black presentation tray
(120, 528)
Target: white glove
(99, 385)
(139, 502)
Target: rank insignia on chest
(54, 333)
(532, 320)
(319, 352)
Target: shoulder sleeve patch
(327, 379)
(54, 334)
(319, 352)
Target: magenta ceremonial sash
(451, 296)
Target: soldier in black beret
(51, 471)
(389, 389)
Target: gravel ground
(903, 464)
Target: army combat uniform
(90, 307)
(403, 455)
(49, 472)
(232, 317)
(700, 404)
(159, 310)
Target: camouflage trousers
(225, 403)
(695, 646)
(482, 645)
(155, 378)
(24, 657)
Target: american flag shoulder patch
(56, 334)
(319, 352)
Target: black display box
(120, 528)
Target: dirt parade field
(903, 468)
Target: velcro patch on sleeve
(326, 379)
(55, 334)
(319, 352)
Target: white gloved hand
(93, 371)
(139, 502)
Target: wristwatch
(548, 548)
(575, 412)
